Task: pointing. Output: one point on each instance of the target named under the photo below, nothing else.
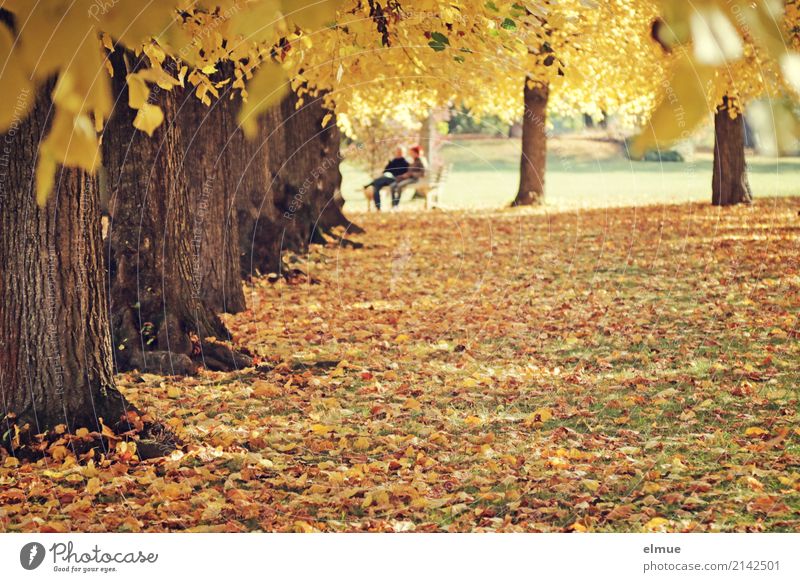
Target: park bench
(431, 189)
(427, 189)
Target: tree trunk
(534, 146)
(729, 182)
(312, 170)
(298, 198)
(260, 239)
(55, 349)
(213, 157)
(169, 268)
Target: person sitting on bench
(398, 166)
(415, 173)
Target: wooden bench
(431, 189)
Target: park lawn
(581, 173)
(625, 370)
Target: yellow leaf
(66, 27)
(361, 444)
(17, 88)
(11, 463)
(211, 512)
(59, 452)
(540, 415)
(257, 23)
(685, 103)
(262, 388)
(173, 391)
(83, 85)
(412, 404)
(591, 485)
(82, 432)
(138, 92)
(303, 527)
(651, 488)
(265, 89)
(401, 339)
(755, 431)
(46, 168)
(174, 490)
(106, 431)
(156, 74)
(656, 524)
(149, 118)
(419, 503)
(72, 141)
(311, 15)
(473, 421)
(107, 42)
(133, 23)
(321, 428)
(93, 486)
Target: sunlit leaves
(750, 45)
(265, 89)
(72, 141)
(257, 23)
(311, 14)
(684, 103)
(69, 39)
(134, 22)
(18, 90)
(716, 40)
(138, 92)
(148, 118)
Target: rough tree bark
(212, 157)
(729, 181)
(258, 215)
(55, 349)
(312, 158)
(534, 146)
(168, 266)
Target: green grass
(582, 174)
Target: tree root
(221, 358)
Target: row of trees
(663, 65)
(151, 113)
(193, 206)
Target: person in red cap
(416, 171)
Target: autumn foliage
(620, 370)
(226, 351)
